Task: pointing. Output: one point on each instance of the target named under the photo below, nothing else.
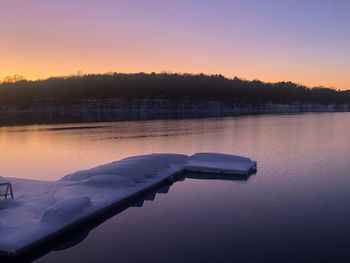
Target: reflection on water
(48, 152)
(294, 210)
(58, 117)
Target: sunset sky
(302, 41)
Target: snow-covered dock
(43, 209)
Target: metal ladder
(8, 192)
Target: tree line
(109, 86)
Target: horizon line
(79, 73)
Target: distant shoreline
(147, 109)
(175, 88)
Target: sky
(307, 42)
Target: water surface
(295, 209)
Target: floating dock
(53, 208)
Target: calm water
(295, 209)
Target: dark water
(295, 209)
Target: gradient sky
(306, 42)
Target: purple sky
(303, 41)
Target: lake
(295, 209)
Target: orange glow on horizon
(272, 42)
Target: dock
(84, 196)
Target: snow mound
(137, 167)
(117, 168)
(158, 162)
(114, 180)
(66, 210)
(218, 157)
(172, 157)
(220, 163)
(148, 170)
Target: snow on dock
(220, 164)
(41, 209)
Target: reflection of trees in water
(27, 118)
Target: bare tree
(14, 78)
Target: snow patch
(218, 157)
(9, 203)
(220, 164)
(173, 157)
(114, 180)
(158, 162)
(148, 170)
(66, 210)
(118, 168)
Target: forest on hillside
(109, 86)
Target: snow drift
(48, 207)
